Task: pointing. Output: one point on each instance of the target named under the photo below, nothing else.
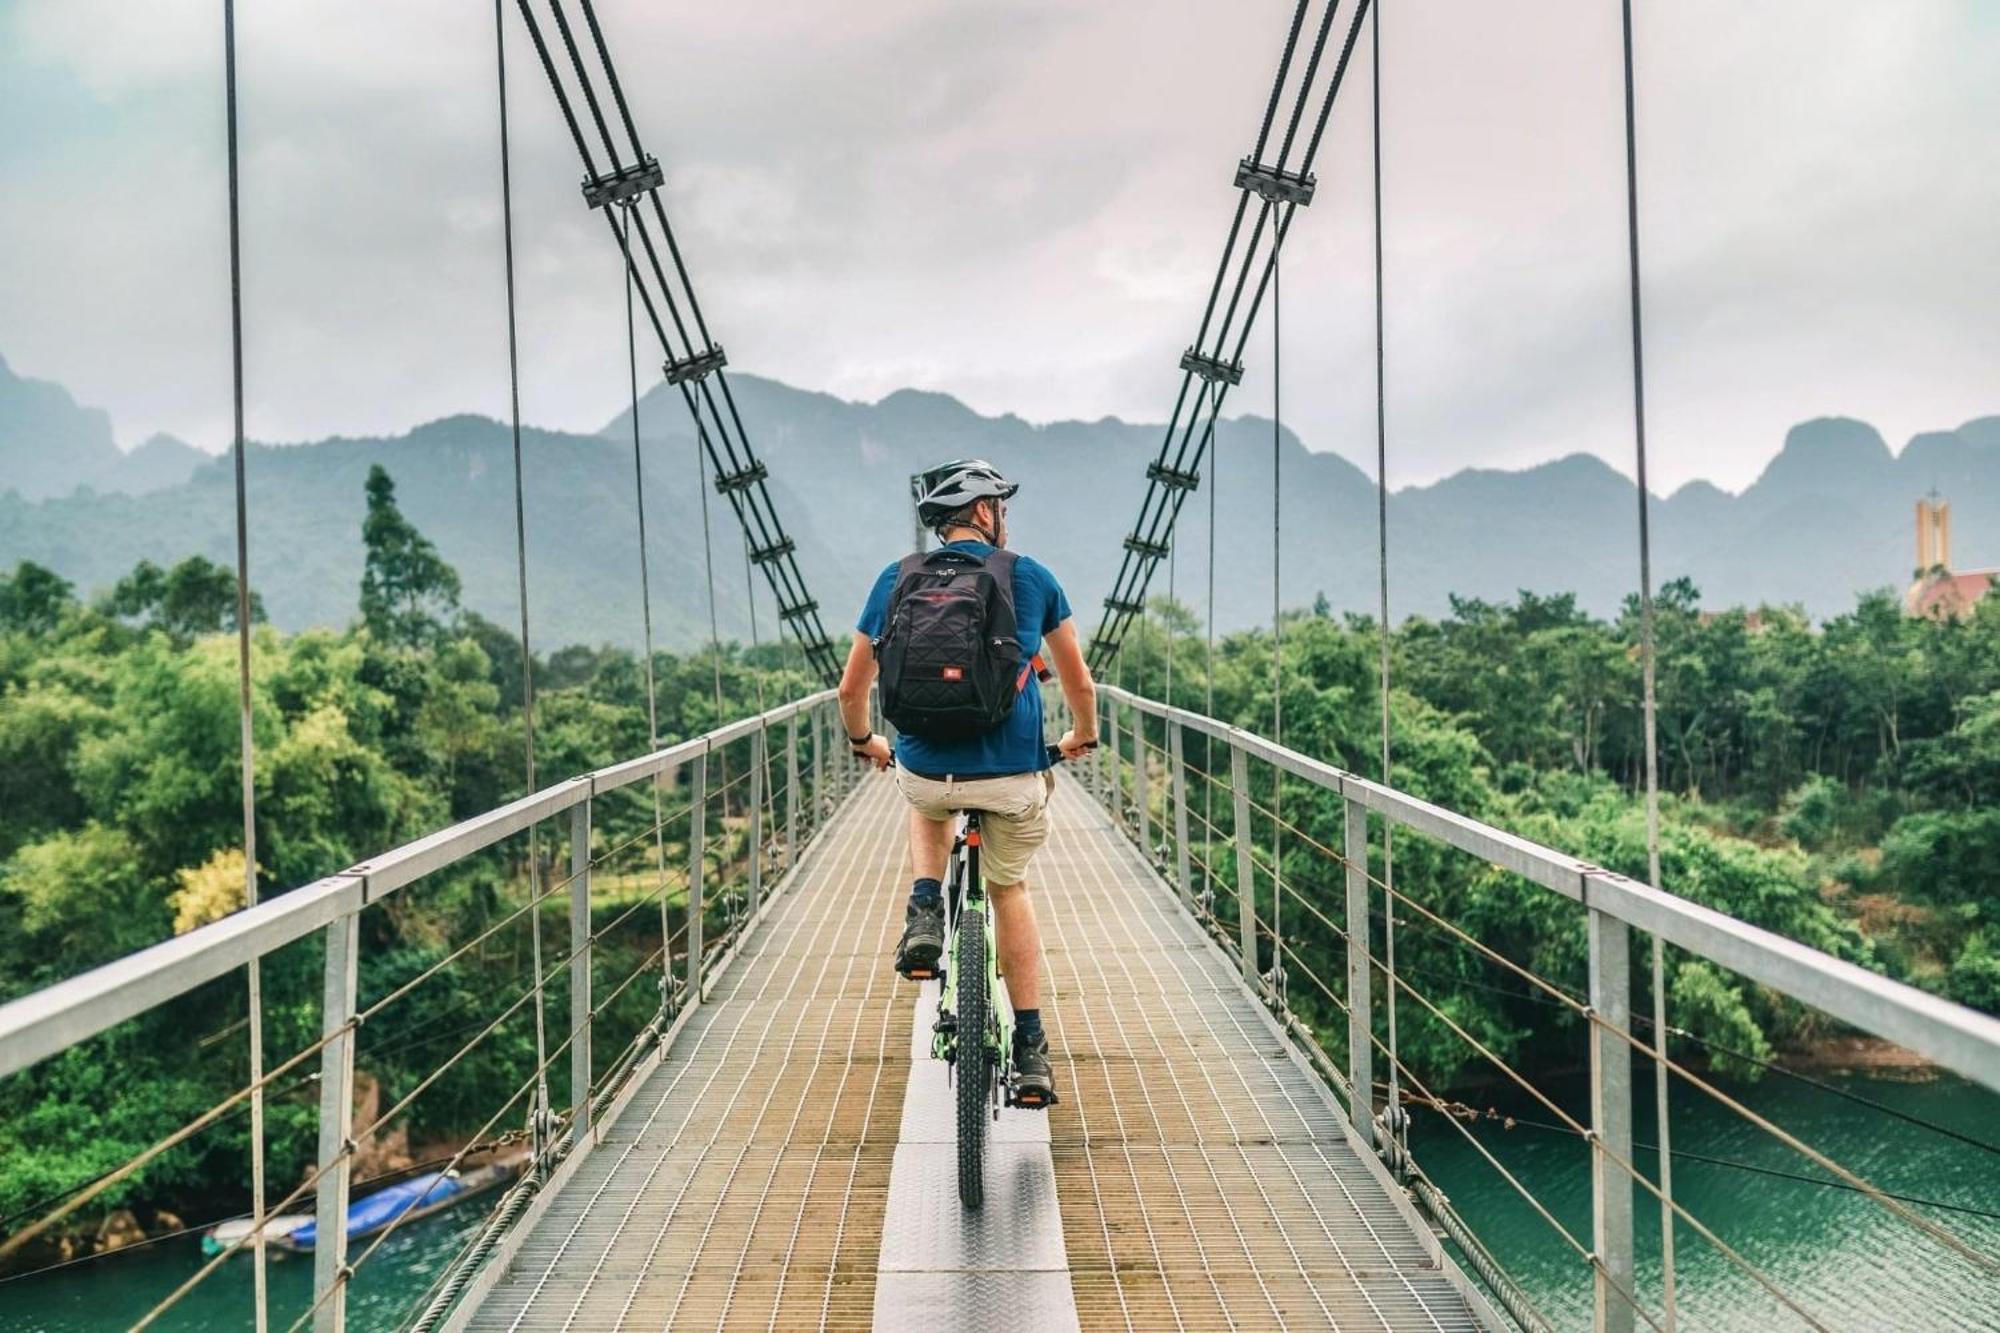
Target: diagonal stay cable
(1169, 483)
(719, 428)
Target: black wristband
(862, 739)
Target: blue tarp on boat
(378, 1210)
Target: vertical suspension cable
(540, 1114)
(714, 630)
(646, 610)
(1396, 1119)
(1277, 639)
(1208, 670)
(246, 732)
(750, 595)
(762, 786)
(1648, 654)
(1173, 572)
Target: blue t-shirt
(1015, 746)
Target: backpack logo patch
(954, 673)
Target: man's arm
(855, 679)
(1079, 691)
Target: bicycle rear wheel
(975, 1070)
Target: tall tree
(409, 595)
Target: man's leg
(930, 846)
(1020, 943)
(922, 944)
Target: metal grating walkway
(746, 1182)
(1229, 1200)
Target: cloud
(1021, 203)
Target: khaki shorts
(1014, 815)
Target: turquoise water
(117, 1290)
(1847, 1261)
(1841, 1256)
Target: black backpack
(950, 653)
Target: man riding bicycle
(973, 749)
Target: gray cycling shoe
(1034, 1082)
(922, 944)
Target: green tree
(33, 598)
(194, 597)
(409, 595)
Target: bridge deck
(753, 1177)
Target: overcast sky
(1020, 203)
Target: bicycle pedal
(1033, 1099)
(919, 973)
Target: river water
(1851, 1264)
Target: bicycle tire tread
(974, 1069)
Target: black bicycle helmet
(949, 490)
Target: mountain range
(1830, 515)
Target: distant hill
(1830, 515)
(49, 446)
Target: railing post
(580, 1018)
(1097, 758)
(336, 1122)
(1246, 869)
(791, 791)
(758, 752)
(1139, 784)
(1116, 801)
(819, 765)
(697, 852)
(1360, 1003)
(1611, 1119)
(1176, 756)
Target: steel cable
(521, 547)
(1398, 1127)
(1277, 612)
(1160, 507)
(645, 571)
(727, 441)
(247, 742)
(1648, 658)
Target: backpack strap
(908, 565)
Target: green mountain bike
(975, 1024)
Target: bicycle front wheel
(975, 1069)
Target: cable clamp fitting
(625, 183)
(1212, 368)
(1139, 546)
(1124, 607)
(694, 367)
(742, 479)
(799, 610)
(1172, 478)
(777, 550)
(1275, 186)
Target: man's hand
(876, 752)
(1075, 747)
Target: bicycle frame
(966, 892)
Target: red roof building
(1948, 595)
(1940, 592)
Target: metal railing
(1238, 862)
(786, 781)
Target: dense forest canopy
(1839, 783)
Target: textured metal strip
(1002, 1266)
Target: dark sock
(1028, 1024)
(926, 893)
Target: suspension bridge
(771, 1146)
